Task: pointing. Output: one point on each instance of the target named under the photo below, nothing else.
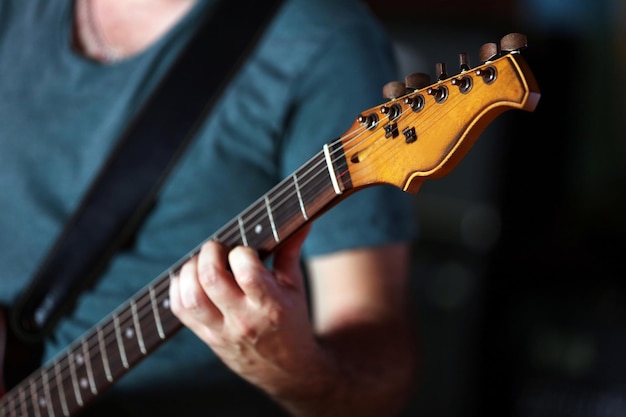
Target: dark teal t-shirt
(319, 65)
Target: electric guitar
(420, 132)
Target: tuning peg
(417, 80)
(513, 42)
(441, 71)
(394, 89)
(488, 51)
(464, 62)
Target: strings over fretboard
(139, 326)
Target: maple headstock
(423, 131)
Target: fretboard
(119, 342)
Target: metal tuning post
(414, 82)
(441, 71)
(464, 62)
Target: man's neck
(112, 30)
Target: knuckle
(247, 333)
(274, 314)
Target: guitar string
(123, 322)
(162, 292)
(125, 319)
(110, 338)
(284, 195)
(261, 211)
(324, 167)
(144, 306)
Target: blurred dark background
(519, 284)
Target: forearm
(365, 371)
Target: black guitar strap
(127, 185)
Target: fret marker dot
(79, 359)
(166, 303)
(42, 402)
(83, 383)
(130, 333)
(258, 229)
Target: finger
(189, 301)
(254, 279)
(175, 303)
(215, 277)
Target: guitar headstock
(423, 131)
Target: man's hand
(254, 319)
(349, 353)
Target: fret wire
(271, 218)
(155, 311)
(23, 401)
(120, 342)
(299, 193)
(77, 392)
(138, 332)
(242, 231)
(61, 388)
(105, 356)
(88, 367)
(35, 398)
(48, 395)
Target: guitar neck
(119, 342)
(422, 134)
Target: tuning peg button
(394, 89)
(417, 81)
(488, 51)
(513, 42)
